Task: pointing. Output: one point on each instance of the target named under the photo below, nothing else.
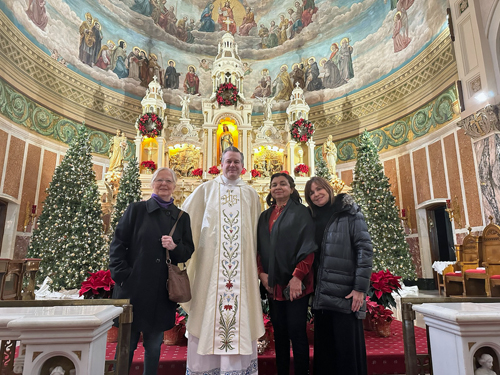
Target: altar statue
(58, 370)
(486, 363)
(117, 151)
(330, 155)
(185, 106)
(226, 139)
(268, 105)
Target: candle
(403, 212)
(448, 203)
(33, 209)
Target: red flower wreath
(149, 118)
(302, 130)
(227, 94)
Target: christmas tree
(371, 190)
(128, 192)
(322, 169)
(69, 238)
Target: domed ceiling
(331, 48)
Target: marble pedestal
(457, 331)
(75, 332)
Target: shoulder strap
(172, 232)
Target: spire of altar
(153, 100)
(227, 67)
(298, 108)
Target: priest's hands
(168, 243)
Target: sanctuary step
(384, 355)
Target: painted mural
(328, 47)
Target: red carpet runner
(385, 355)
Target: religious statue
(268, 105)
(58, 370)
(486, 363)
(330, 155)
(226, 139)
(185, 106)
(117, 151)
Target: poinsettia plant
(255, 173)
(377, 312)
(197, 172)
(382, 284)
(149, 164)
(214, 170)
(98, 285)
(243, 171)
(286, 172)
(301, 168)
(180, 317)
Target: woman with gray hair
(138, 263)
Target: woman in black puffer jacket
(343, 273)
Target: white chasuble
(225, 311)
(227, 317)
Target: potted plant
(301, 169)
(213, 170)
(149, 165)
(379, 301)
(176, 334)
(255, 173)
(198, 172)
(97, 286)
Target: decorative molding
(482, 122)
(25, 112)
(430, 117)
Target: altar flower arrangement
(255, 173)
(176, 334)
(98, 285)
(382, 284)
(302, 130)
(243, 171)
(149, 125)
(197, 172)
(286, 172)
(149, 164)
(227, 94)
(301, 169)
(214, 170)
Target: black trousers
(289, 324)
(339, 344)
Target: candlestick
(33, 209)
(403, 212)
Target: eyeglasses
(166, 181)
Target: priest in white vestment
(225, 313)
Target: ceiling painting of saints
(329, 48)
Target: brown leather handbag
(178, 281)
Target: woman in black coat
(285, 255)
(343, 275)
(138, 263)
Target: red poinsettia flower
(214, 170)
(98, 285)
(197, 172)
(255, 173)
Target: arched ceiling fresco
(330, 47)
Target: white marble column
(291, 157)
(310, 149)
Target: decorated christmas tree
(322, 169)
(69, 238)
(128, 192)
(371, 190)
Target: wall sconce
(30, 217)
(454, 211)
(406, 218)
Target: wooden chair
(474, 277)
(12, 281)
(491, 249)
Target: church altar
(193, 150)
